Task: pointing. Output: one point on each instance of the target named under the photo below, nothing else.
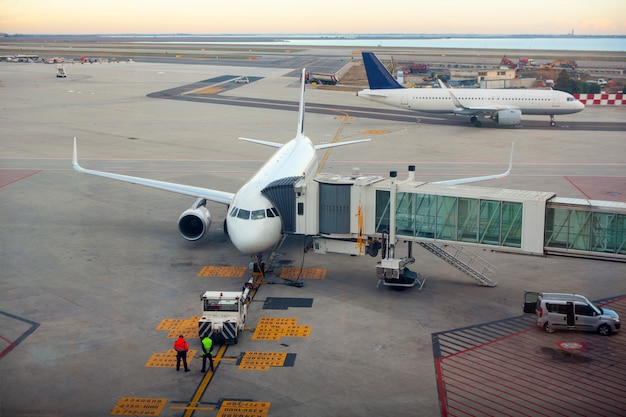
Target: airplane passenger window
(243, 214)
(258, 214)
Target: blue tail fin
(377, 75)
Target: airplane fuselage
(439, 100)
(252, 223)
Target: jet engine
(195, 221)
(509, 117)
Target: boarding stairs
(465, 260)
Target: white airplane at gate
(504, 106)
(253, 223)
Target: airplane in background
(253, 222)
(504, 106)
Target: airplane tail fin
(300, 131)
(377, 75)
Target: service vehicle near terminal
(224, 314)
(562, 311)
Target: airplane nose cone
(248, 247)
(253, 236)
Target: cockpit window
(270, 213)
(243, 214)
(233, 212)
(258, 214)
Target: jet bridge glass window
(461, 219)
(489, 222)
(568, 228)
(405, 216)
(425, 215)
(382, 210)
(446, 217)
(467, 223)
(512, 224)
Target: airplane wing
(483, 178)
(335, 144)
(471, 110)
(263, 142)
(198, 192)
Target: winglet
(75, 159)
(483, 178)
(300, 131)
(377, 75)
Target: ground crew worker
(207, 351)
(181, 347)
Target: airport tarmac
(95, 279)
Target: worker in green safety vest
(207, 350)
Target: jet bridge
(360, 215)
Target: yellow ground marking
(305, 273)
(222, 271)
(168, 359)
(327, 154)
(187, 327)
(243, 409)
(205, 382)
(346, 117)
(375, 132)
(139, 406)
(262, 361)
(270, 328)
(185, 407)
(208, 90)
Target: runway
(95, 279)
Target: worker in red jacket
(181, 347)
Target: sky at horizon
(555, 17)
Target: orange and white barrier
(601, 99)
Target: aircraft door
(555, 99)
(404, 99)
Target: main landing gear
(552, 121)
(474, 120)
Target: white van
(558, 311)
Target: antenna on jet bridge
(300, 130)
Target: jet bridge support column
(393, 272)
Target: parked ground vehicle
(224, 314)
(560, 311)
(321, 78)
